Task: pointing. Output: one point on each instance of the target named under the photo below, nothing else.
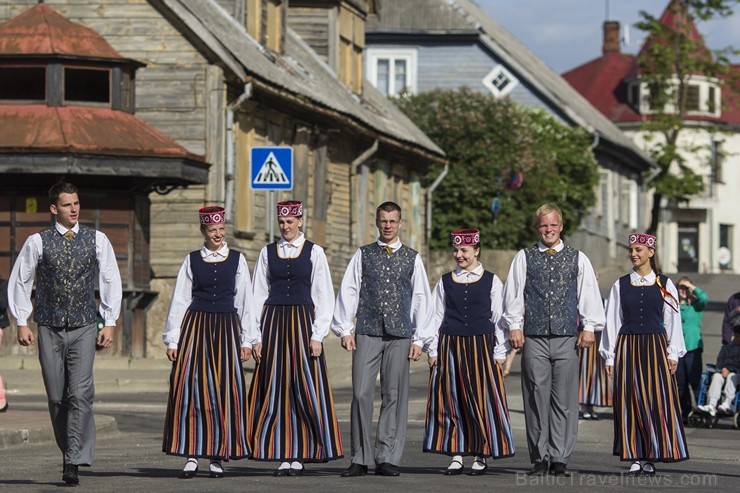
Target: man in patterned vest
(548, 286)
(63, 260)
(385, 286)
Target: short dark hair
(387, 207)
(59, 188)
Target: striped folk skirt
(207, 404)
(594, 386)
(467, 413)
(291, 405)
(647, 413)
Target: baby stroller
(697, 417)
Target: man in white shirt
(386, 288)
(548, 287)
(62, 259)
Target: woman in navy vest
(467, 413)
(641, 344)
(210, 330)
(291, 415)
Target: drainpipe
(230, 153)
(354, 166)
(430, 191)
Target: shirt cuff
(609, 361)
(110, 323)
(317, 338)
(172, 345)
(588, 328)
(21, 322)
(432, 353)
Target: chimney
(611, 37)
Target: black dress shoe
(479, 472)
(295, 472)
(539, 469)
(279, 473)
(387, 469)
(188, 474)
(453, 471)
(559, 469)
(6, 406)
(354, 470)
(70, 475)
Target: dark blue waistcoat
(214, 283)
(290, 278)
(385, 295)
(467, 306)
(642, 307)
(551, 293)
(65, 280)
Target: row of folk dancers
(386, 314)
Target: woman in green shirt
(692, 303)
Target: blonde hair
(544, 210)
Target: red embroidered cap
(642, 239)
(212, 214)
(290, 208)
(465, 237)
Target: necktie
(551, 251)
(388, 249)
(69, 235)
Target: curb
(10, 437)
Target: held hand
(245, 354)
(316, 347)
(25, 336)
(432, 360)
(172, 354)
(257, 352)
(105, 337)
(516, 339)
(348, 343)
(585, 339)
(673, 366)
(609, 369)
(415, 352)
(500, 362)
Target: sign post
(271, 170)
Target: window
(87, 85)
(712, 100)
(724, 254)
(603, 195)
(692, 98)
(717, 161)
(500, 81)
(392, 72)
(23, 83)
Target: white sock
(191, 464)
(649, 467)
(215, 466)
(284, 465)
(479, 463)
(457, 462)
(296, 465)
(636, 466)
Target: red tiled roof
(675, 17)
(83, 130)
(41, 30)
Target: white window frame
(495, 72)
(392, 54)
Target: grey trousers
(550, 392)
(390, 356)
(66, 357)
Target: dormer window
(87, 85)
(26, 84)
(702, 97)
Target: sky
(568, 33)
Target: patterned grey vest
(385, 295)
(65, 280)
(551, 293)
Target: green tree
(673, 55)
(486, 140)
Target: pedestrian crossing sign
(272, 168)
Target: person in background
(64, 260)
(4, 323)
(641, 345)
(466, 388)
(291, 408)
(724, 383)
(731, 319)
(209, 332)
(692, 301)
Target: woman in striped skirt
(594, 385)
(641, 345)
(467, 413)
(209, 331)
(292, 418)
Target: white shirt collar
(476, 273)
(61, 229)
(223, 251)
(638, 280)
(394, 246)
(297, 243)
(557, 247)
